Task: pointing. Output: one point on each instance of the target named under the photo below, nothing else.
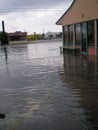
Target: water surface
(42, 89)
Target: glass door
(84, 38)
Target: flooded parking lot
(41, 89)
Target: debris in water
(2, 115)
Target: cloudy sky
(32, 15)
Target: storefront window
(91, 33)
(97, 34)
(65, 35)
(78, 32)
(84, 37)
(71, 35)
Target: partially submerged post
(4, 35)
(2, 115)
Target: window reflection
(91, 34)
(84, 36)
(71, 34)
(78, 32)
(65, 35)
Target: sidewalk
(32, 41)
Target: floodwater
(42, 89)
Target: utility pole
(3, 27)
(4, 35)
(43, 35)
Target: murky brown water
(41, 89)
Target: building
(17, 36)
(80, 27)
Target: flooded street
(41, 89)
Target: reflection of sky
(44, 53)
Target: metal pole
(3, 28)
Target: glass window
(71, 35)
(65, 35)
(91, 33)
(84, 37)
(97, 33)
(78, 32)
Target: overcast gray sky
(32, 15)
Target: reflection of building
(81, 74)
(80, 26)
(17, 36)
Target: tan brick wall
(81, 10)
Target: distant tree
(50, 36)
(43, 36)
(34, 36)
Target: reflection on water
(82, 72)
(4, 50)
(42, 89)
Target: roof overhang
(59, 21)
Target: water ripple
(46, 90)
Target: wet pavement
(42, 89)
